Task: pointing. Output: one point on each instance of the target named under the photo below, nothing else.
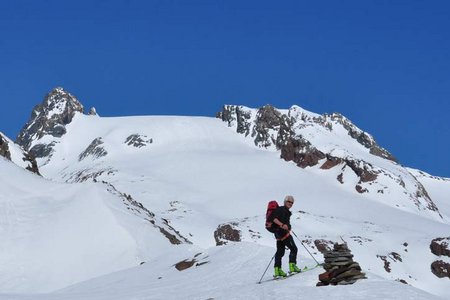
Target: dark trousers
(281, 245)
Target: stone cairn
(340, 267)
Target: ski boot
(279, 273)
(293, 268)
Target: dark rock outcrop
(440, 246)
(362, 169)
(48, 118)
(95, 149)
(232, 113)
(185, 264)
(227, 232)
(360, 189)
(331, 162)
(441, 269)
(138, 141)
(196, 261)
(25, 156)
(32, 164)
(387, 264)
(4, 148)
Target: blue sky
(383, 64)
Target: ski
(305, 269)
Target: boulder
(226, 233)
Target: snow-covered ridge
(328, 141)
(251, 121)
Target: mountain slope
(332, 141)
(226, 272)
(211, 280)
(56, 234)
(197, 174)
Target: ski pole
(305, 248)
(266, 269)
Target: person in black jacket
(281, 218)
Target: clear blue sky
(383, 64)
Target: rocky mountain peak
(48, 118)
(312, 140)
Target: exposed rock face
(30, 162)
(362, 169)
(441, 269)
(4, 149)
(225, 233)
(340, 267)
(236, 114)
(138, 141)
(32, 166)
(95, 149)
(48, 118)
(440, 246)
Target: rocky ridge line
(275, 129)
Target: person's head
(288, 201)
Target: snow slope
(192, 174)
(227, 272)
(196, 173)
(56, 234)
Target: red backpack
(271, 206)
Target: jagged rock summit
(48, 118)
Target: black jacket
(284, 216)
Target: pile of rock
(340, 267)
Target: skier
(281, 217)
